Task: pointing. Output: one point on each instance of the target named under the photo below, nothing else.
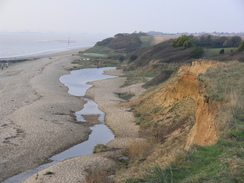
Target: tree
(183, 41)
(241, 47)
(235, 41)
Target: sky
(121, 16)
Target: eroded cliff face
(174, 95)
(204, 131)
(176, 114)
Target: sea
(25, 44)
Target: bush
(133, 57)
(100, 148)
(222, 51)
(98, 176)
(126, 96)
(197, 53)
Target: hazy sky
(114, 16)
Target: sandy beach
(37, 120)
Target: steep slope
(196, 121)
(184, 87)
(176, 115)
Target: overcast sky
(121, 16)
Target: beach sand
(117, 118)
(36, 118)
(38, 123)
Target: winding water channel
(77, 81)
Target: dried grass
(98, 176)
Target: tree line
(207, 41)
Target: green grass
(224, 80)
(204, 164)
(209, 52)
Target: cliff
(174, 96)
(176, 115)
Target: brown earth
(177, 113)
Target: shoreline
(117, 118)
(36, 110)
(19, 59)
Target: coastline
(38, 125)
(117, 118)
(36, 112)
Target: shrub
(197, 53)
(133, 57)
(100, 148)
(222, 51)
(98, 176)
(126, 96)
(49, 173)
(139, 150)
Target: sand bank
(117, 118)
(36, 118)
(46, 113)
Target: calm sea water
(31, 44)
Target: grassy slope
(215, 51)
(222, 162)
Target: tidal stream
(77, 81)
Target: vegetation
(95, 63)
(222, 51)
(98, 176)
(211, 52)
(122, 43)
(125, 96)
(211, 41)
(184, 41)
(222, 162)
(158, 54)
(156, 65)
(226, 83)
(241, 47)
(49, 173)
(160, 78)
(100, 148)
(197, 53)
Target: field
(209, 52)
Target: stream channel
(77, 81)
